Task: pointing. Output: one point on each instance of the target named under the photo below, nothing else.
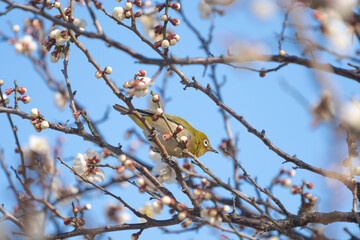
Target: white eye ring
(205, 143)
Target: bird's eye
(206, 143)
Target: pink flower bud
(154, 118)
(22, 90)
(9, 91)
(137, 3)
(174, 21)
(291, 172)
(184, 141)
(167, 136)
(188, 222)
(120, 170)
(204, 182)
(309, 185)
(158, 8)
(178, 129)
(173, 42)
(67, 221)
(129, 164)
(142, 73)
(134, 236)
(25, 99)
(176, 6)
(177, 37)
(156, 98)
(137, 14)
(76, 114)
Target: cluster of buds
(214, 215)
(140, 85)
(120, 13)
(175, 6)
(170, 40)
(202, 194)
(179, 207)
(168, 136)
(100, 74)
(38, 120)
(77, 209)
(56, 38)
(287, 181)
(20, 90)
(77, 222)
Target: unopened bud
(141, 181)
(165, 43)
(16, 28)
(159, 112)
(282, 52)
(22, 90)
(176, 6)
(142, 73)
(1, 82)
(120, 170)
(57, 4)
(164, 17)
(44, 124)
(9, 91)
(156, 98)
(291, 172)
(177, 37)
(129, 164)
(184, 141)
(122, 158)
(128, 6)
(166, 200)
(25, 99)
(226, 208)
(98, 74)
(87, 206)
(108, 70)
(182, 215)
(197, 192)
(34, 113)
(167, 136)
(208, 195)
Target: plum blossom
(150, 210)
(211, 215)
(324, 109)
(204, 9)
(25, 45)
(117, 213)
(119, 13)
(164, 171)
(60, 100)
(139, 87)
(38, 154)
(350, 115)
(84, 166)
(60, 36)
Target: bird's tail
(126, 111)
(121, 109)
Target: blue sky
(263, 102)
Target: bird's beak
(213, 150)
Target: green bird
(198, 142)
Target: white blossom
(204, 9)
(119, 13)
(60, 100)
(140, 87)
(25, 45)
(164, 171)
(38, 153)
(84, 166)
(350, 115)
